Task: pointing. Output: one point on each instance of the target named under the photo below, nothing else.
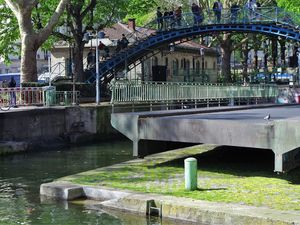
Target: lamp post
(89, 37)
(202, 63)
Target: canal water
(22, 174)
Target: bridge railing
(37, 96)
(134, 92)
(242, 15)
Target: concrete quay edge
(178, 208)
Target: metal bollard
(190, 174)
(66, 100)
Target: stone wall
(48, 127)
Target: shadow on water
(239, 161)
(22, 174)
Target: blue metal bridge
(268, 21)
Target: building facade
(184, 62)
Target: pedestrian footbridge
(267, 21)
(243, 126)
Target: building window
(166, 61)
(182, 63)
(46, 55)
(194, 64)
(214, 66)
(154, 61)
(187, 65)
(175, 67)
(198, 66)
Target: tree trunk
(255, 48)
(76, 29)
(226, 50)
(78, 62)
(245, 52)
(28, 59)
(274, 52)
(282, 53)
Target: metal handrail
(242, 15)
(127, 91)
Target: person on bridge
(178, 16)
(234, 10)
(12, 84)
(91, 58)
(251, 8)
(217, 8)
(159, 19)
(197, 13)
(166, 19)
(124, 41)
(172, 18)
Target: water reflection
(22, 174)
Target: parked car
(279, 78)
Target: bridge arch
(269, 27)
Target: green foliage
(290, 5)
(9, 33)
(9, 28)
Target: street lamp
(89, 37)
(202, 62)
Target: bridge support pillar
(287, 161)
(278, 163)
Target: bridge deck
(234, 126)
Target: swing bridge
(243, 125)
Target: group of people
(168, 19)
(104, 52)
(252, 6)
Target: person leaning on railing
(12, 84)
(234, 10)
(217, 9)
(197, 14)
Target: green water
(22, 174)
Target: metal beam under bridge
(242, 126)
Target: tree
(83, 14)
(290, 5)
(226, 42)
(31, 38)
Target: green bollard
(66, 100)
(190, 174)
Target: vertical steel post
(190, 174)
(97, 72)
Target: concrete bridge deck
(243, 126)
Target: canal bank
(228, 193)
(35, 128)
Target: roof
(114, 33)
